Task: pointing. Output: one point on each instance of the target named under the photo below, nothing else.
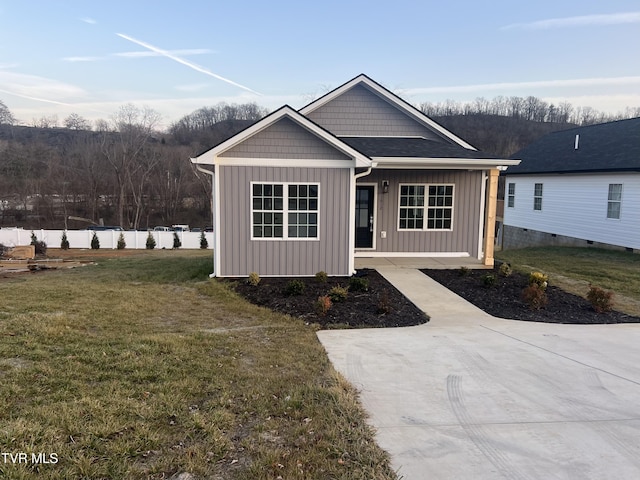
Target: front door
(364, 216)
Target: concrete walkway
(470, 396)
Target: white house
(576, 187)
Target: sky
(91, 58)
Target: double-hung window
(511, 195)
(426, 207)
(537, 196)
(614, 200)
(284, 210)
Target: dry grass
(141, 367)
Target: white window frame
(613, 201)
(425, 207)
(537, 199)
(511, 195)
(285, 211)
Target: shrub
(254, 279)
(40, 246)
(540, 279)
(64, 241)
(464, 271)
(203, 241)
(358, 284)
(489, 280)
(294, 287)
(322, 277)
(176, 240)
(338, 294)
(505, 270)
(121, 245)
(384, 302)
(3, 249)
(323, 305)
(151, 242)
(95, 242)
(535, 296)
(601, 300)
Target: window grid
(511, 195)
(537, 196)
(438, 205)
(614, 202)
(411, 207)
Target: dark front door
(364, 216)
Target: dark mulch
(360, 309)
(504, 299)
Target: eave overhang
(443, 163)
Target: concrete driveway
(469, 396)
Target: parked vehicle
(102, 228)
(161, 229)
(180, 228)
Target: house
(577, 187)
(357, 172)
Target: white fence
(11, 237)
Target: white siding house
(577, 187)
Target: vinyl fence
(11, 237)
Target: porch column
(490, 217)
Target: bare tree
(77, 122)
(6, 117)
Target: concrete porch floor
(419, 262)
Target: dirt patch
(360, 309)
(503, 299)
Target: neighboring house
(576, 187)
(358, 172)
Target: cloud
(40, 89)
(197, 68)
(196, 87)
(81, 59)
(149, 53)
(578, 21)
(88, 20)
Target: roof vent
(577, 141)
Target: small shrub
(505, 270)
(322, 277)
(540, 279)
(294, 287)
(489, 280)
(601, 300)
(254, 279)
(95, 242)
(535, 296)
(323, 305)
(151, 242)
(3, 250)
(121, 245)
(64, 241)
(40, 246)
(384, 303)
(338, 294)
(203, 241)
(464, 271)
(358, 284)
(176, 240)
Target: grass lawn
(142, 367)
(573, 269)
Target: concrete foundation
(517, 237)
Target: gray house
(358, 172)
(577, 187)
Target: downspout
(352, 219)
(213, 213)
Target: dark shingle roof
(410, 148)
(607, 147)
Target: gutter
(352, 217)
(213, 212)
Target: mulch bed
(503, 299)
(360, 309)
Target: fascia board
(443, 163)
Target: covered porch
(420, 262)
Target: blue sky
(90, 58)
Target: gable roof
(606, 147)
(390, 97)
(211, 156)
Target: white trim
(352, 216)
(366, 254)
(375, 214)
(217, 237)
(426, 207)
(483, 214)
(443, 163)
(382, 92)
(283, 162)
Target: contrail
(28, 97)
(194, 66)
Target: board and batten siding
(241, 255)
(360, 112)
(464, 237)
(575, 205)
(285, 140)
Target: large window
(537, 196)
(511, 195)
(614, 201)
(425, 207)
(284, 211)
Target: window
(435, 202)
(537, 196)
(615, 200)
(511, 195)
(284, 211)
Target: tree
(6, 117)
(77, 122)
